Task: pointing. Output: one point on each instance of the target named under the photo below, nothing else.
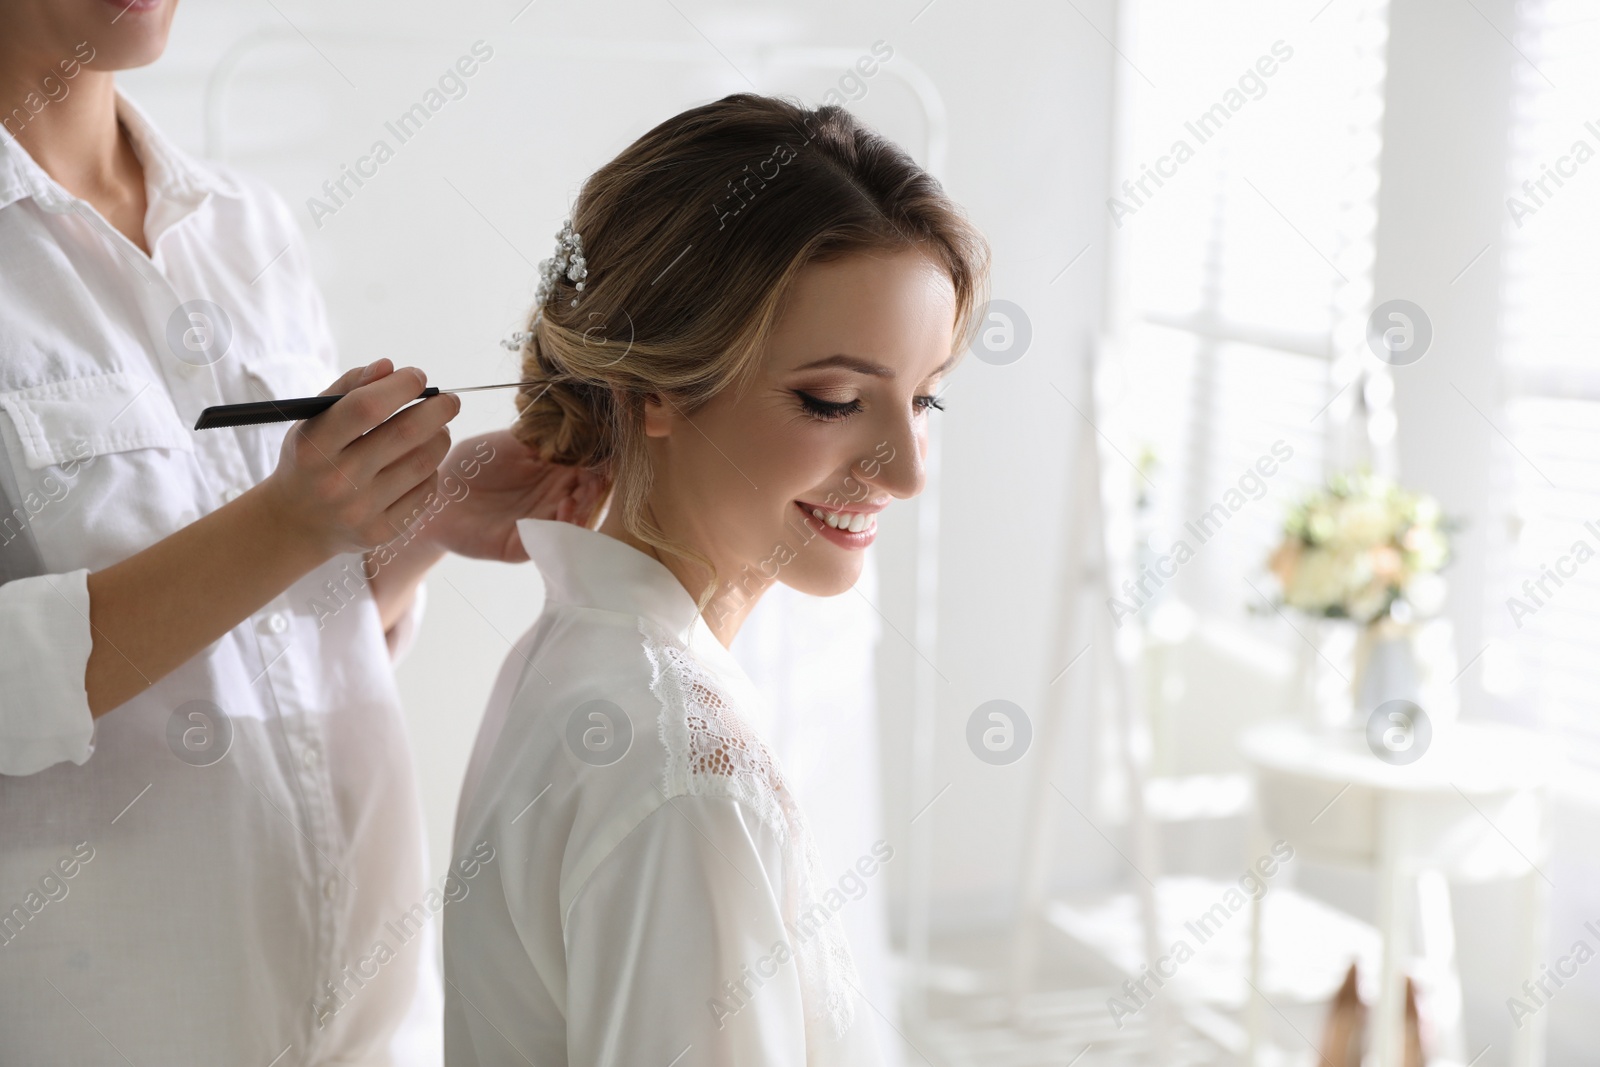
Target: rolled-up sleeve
(677, 940)
(44, 650)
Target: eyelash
(832, 411)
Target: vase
(1386, 667)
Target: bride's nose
(896, 462)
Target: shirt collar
(587, 568)
(170, 174)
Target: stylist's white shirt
(170, 893)
(654, 895)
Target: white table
(1472, 808)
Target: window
(1243, 212)
(1542, 666)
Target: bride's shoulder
(626, 716)
(708, 745)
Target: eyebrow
(866, 366)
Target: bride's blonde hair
(692, 236)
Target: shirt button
(330, 888)
(277, 623)
(230, 494)
(309, 756)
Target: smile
(854, 522)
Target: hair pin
(568, 260)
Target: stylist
(210, 834)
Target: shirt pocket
(67, 422)
(285, 373)
(102, 467)
(279, 374)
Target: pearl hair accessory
(568, 260)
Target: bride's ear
(659, 417)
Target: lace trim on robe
(712, 751)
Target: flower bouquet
(1366, 550)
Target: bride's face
(834, 422)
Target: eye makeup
(833, 410)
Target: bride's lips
(843, 538)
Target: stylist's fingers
(410, 507)
(365, 407)
(589, 495)
(413, 468)
(358, 376)
(402, 434)
(561, 488)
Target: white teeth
(841, 520)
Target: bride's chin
(825, 582)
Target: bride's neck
(724, 615)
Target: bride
(744, 329)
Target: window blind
(1541, 666)
(1242, 211)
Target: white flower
(1365, 521)
(1317, 583)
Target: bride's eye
(827, 410)
(923, 403)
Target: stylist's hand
(352, 477)
(491, 481)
